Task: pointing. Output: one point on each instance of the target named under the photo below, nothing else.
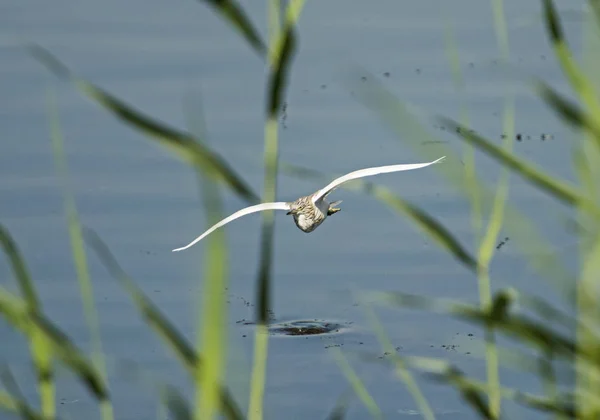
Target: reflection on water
(143, 201)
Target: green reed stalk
(588, 168)
(271, 160)
(401, 369)
(359, 387)
(486, 249)
(261, 336)
(39, 346)
(79, 255)
(281, 50)
(213, 315)
(212, 336)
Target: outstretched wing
(361, 173)
(237, 215)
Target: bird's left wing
(362, 173)
(236, 215)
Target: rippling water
(144, 202)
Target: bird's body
(310, 211)
(309, 215)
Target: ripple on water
(307, 327)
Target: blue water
(143, 201)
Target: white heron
(311, 210)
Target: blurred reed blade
(357, 385)
(19, 407)
(77, 247)
(521, 361)
(550, 313)
(471, 391)
(551, 185)
(431, 227)
(548, 340)
(152, 315)
(233, 13)
(474, 391)
(39, 347)
(182, 143)
(211, 338)
(20, 404)
(176, 403)
(19, 269)
(74, 358)
(560, 405)
(496, 218)
(278, 78)
(524, 233)
(579, 83)
(170, 396)
(340, 409)
(401, 371)
(473, 394)
(8, 403)
(277, 86)
(19, 317)
(567, 110)
(595, 5)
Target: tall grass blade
(276, 85)
(579, 82)
(232, 12)
(488, 242)
(39, 348)
(19, 269)
(278, 78)
(212, 319)
(497, 316)
(552, 315)
(566, 109)
(427, 223)
(595, 5)
(558, 189)
(470, 171)
(20, 407)
(401, 371)
(588, 380)
(192, 361)
(19, 402)
(176, 404)
(473, 391)
(340, 409)
(17, 314)
(78, 249)
(8, 403)
(171, 399)
(183, 144)
(357, 385)
(527, 237)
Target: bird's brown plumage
(307, 215)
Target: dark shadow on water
(306, 327)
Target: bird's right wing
(362, 173)
(237, 215)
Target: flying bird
(311, 210)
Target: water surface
(144, 202)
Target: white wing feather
(237, 215)
(362, 173)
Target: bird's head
(295, 208)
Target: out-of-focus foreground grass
(498, 314)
